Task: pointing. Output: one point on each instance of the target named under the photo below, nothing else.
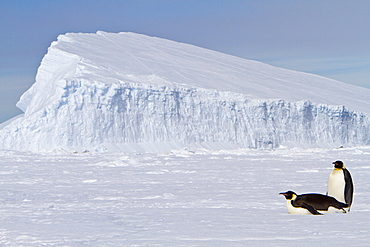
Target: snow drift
(108, 91)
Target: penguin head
(338, 164)
(289, 195)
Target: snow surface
(121, 91)
(188, 197)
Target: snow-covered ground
(180, 198)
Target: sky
(330, 38)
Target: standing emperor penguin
(340, 185)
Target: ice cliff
(126, 91)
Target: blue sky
(325, 37)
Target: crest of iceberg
(128, 92)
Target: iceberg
(128, 92)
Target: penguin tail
(343, 205)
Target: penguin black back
(318, 201)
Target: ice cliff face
(104, 90)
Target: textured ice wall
(89, 114)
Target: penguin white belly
(303, 211)
(336, 185)
(294, 210)
(331, 210)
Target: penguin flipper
(311, 209)
(348, 191)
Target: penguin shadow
(338, 198)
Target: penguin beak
(282, 193)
